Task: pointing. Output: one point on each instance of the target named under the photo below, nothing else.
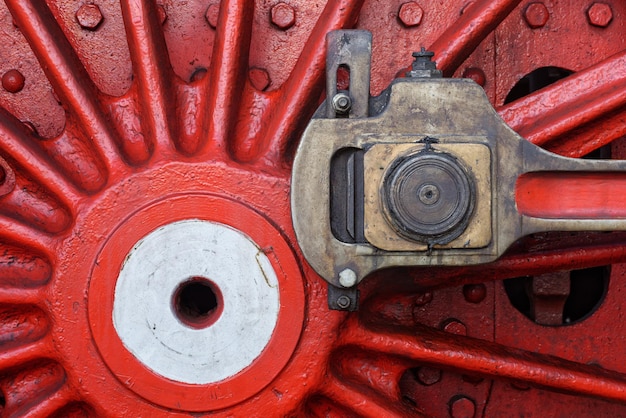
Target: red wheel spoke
(66, 73)
(22, 354)
(153, 73)
(458, 42)
(549, 114)
(294, 103)
(52, 404)
(15, 142)
(22, 268)
(227, 75)
(362, 400)
(37, 391)
(426, 345)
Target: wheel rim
(146, 140)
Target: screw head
(283, 16)
(536, 15)
(474, 293)
(259, 78)
(343, 301)
(13, 81)
(410, 14)
(211, 15)
(347, 278)
(89, 16)
(475, 74)
(462, 407)
(454, 326)
(342, 103)
(428, 376)
(600, 15)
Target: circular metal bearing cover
(428, 197)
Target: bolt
(454, 326)
(347, 278)
(343, 301)
(211, 15)
(259, 78)
(342, 103)
(410, 14)
(283, 16)
(13, 81)
(423, 298)
(428, 376)
(536, 15)
(161, 13)
(424, 66)
(475, 74)
(462, 407)
(600, 15)
(474, 293)
(89, 16)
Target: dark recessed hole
(537, 79)
(587, 290)
(197, 302)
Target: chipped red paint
(112, 109)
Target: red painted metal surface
(121, 116)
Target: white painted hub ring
(155, 267)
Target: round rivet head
(462, 407)
(13, 81)
(283, 16)
(474, 293)
(600, 15)
(536, 15)
(259, 78)
(343, 301)
(89, 16)
(428, 376)
(410, 14)
(211, 15)
(347, 278)
(454, 326)
(475, 74)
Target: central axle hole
(197, 302)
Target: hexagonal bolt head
(259, 78)
(600, 15)
(283, 16)
(211, 15)
(536, 15)
(342, 103)
(410, 14)
(89, 16)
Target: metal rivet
(423, 298)
(347, 278)
(259, 78)
(342, 103)
(462, 407)
(428, 376)
(89, 16)
(283, 16)
(475, 74)
(161, 13)
(410, 14)
(536, 15)
(13, 81)
(211, 15)
(600, 15)
(474, 293)
(454, 326)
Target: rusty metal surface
(170, 100)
